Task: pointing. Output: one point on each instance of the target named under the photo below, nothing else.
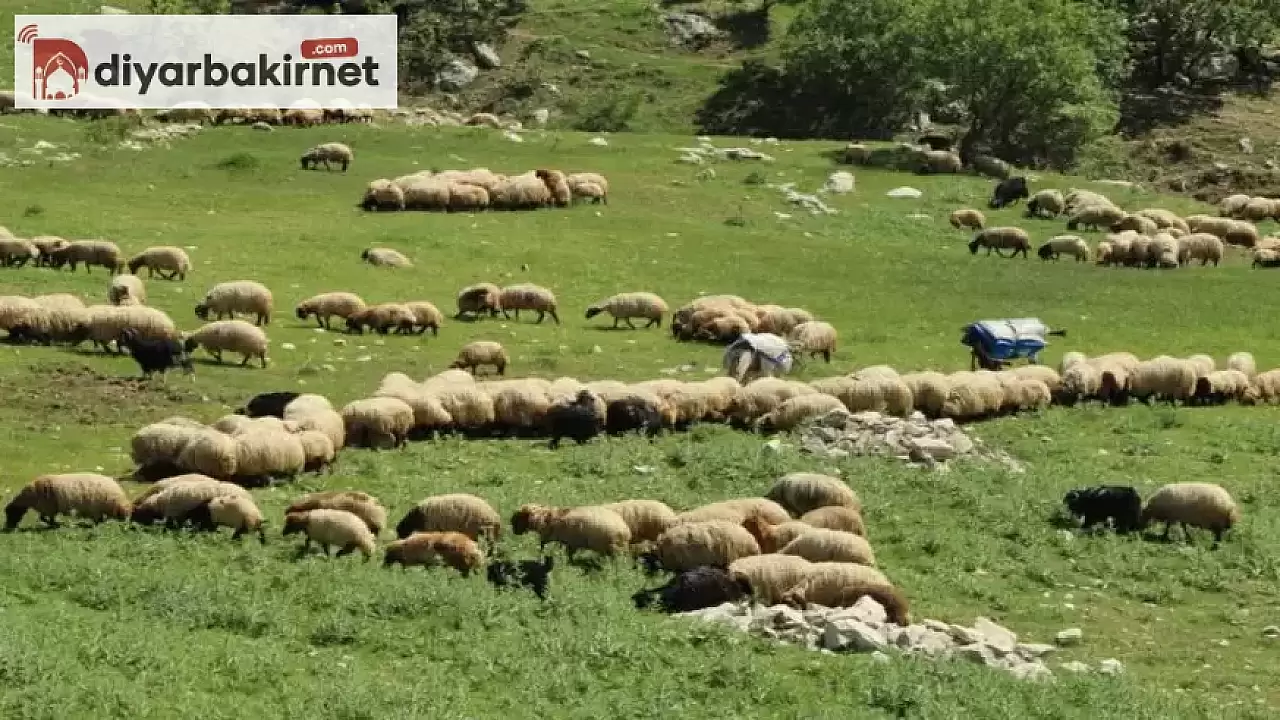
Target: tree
(1172, 38)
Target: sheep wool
(237, 336)
(385, 257)
(379, 422)
(1193, 504)
(967, 218)
(328, 305)
(814, 338)
(928, 391)
(383, 195)
(1072, 245)
(822, 545)
(593, 528)
(801, 492)
(798, 410)
(527, 296)
(329, 528)
(458, 512)
(770, 576)
(126, 290)
(240, 296)
(1001, 238)
(482, 352)
(179, 497)
(268, 454)
(84, 495)
(362, 505)
(836, 517)
(771, 537)
(239, 514)
(1095, 216)
(631, 305)
(737, 511)
(1244, 362)
(171, 263)
(843, 584)
(332, 153)
(694, 544)
(428, 549)
(209, 452)
(478, 299)
(647, 519)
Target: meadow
(115, 621)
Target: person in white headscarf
(755, 355)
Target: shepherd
(755, 355)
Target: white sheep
(967, 218)
(1059, 245)
(162, 260)
(235, 336)
(1192, 504)
(456, 512)
(1095, 216)
(482, 352)
(244, 296)
(85, 495)
(329, 528)
(327, 153)
(800, 492)
(1046, 203)
(377, 422)
(1002, 238)
(822, 545)
(694, 544)
(126, 289)
(1244, 362)
(527, 296)
(593, 528)
(328, 305)
(362, 505)
(814, 337)
(625, 306)
(385, 257)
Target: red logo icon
(59, 67)
(329, 48)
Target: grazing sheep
(843, 584)
(796, 411)
(933, 162)
(869, 392)
(527, 296)
(738, 510)
(1200, 246)
(155, 356)
(1244, 362)
(1220, 386)
(801, 492)
(428, 549)
(694, 589)
(90, 252)
(327, 153)
(480, 298)
(237, 513)
(84, 495)
(770, 576)
(1163, 378)
(302, 117)
(383, 195)
(525, 573)
(715, 543)
(967, 218)
(1002, 238)
(1059, 245)
(1095, 216)
(813, 338)
(173, 499)
(576, 419)
(1231, 205)
(47, 245)
(331, 528)
(17, 252)
(426, 316)
(772, 536)
(633, 414)
(161, 260)
(558, 185)
(522, 192)
(647, 519)
(328, 305)
(244, 296)
(267, 454)
(457, 512)
(836, 517)
(385, 257)
(625, 306)
(425, 193)
(1096, 505)
(235, 336)
(126, 290)
(822, 545)
(1192, 504)
(1137, 223)
(1265, 258)
(481, 352)
(1242, 234)
(1008, 192)
(362, 505)
(104, 323)
(593, 528)
(579, 185)
(383, 318)
(1046, 204)
(378, 423)
(1165, 219)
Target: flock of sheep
(1151, 237)
(480, 189)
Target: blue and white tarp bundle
(1007, 339)
(757, 353)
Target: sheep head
(594, 311)
(975, 243)
(202, 311)
(411, 521)
(13, 513)
(295, 523)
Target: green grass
(121, 622)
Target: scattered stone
(852, 634)
(541, 116)
(456, 75)
(840, 183)
(1111, 666)
(978, 653)
(996, 636)
(1246, 145)
(1034, 651)
(1070, 636)
(513, 137)
(915, 439)
(1271, 632)
(1075, 666)
(690, 30)
(582, 54)
(263, 127)
(486, 56)
(111, 10)
(599, 142)
(908, 193)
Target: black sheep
(155, 355)
(533, 574)
(632, 415)
(1009, 192)
(1119, 503)
(1046, 252)
(271, 404)
(576, 420)
(695, 589)
(936, 142)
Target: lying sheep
(162, 260)
(589, 185)
(991, 166)
(457, 512)
(235, 336)
(967, 218)
(385, 257)
(1002, 238)
(328, 305)
(527, 296)
(84, 495)
(800, 492)
(428, 549)
(1096, 505)
(1192, 504)
(243, 296)
(336, 153)
(481, 352)
(1046, 204)
(626, 306)
(378, 423)
(1095, 216)
(931, 162)
(1059, 245)
(331, 528)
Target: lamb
(1200, 246)
(85, 495)
(237, 513)
(426, 316)
(126, 290)
(1096, 505)
(385, 257)
(1244, 362)
(694, 589)
(836, 517)
(362, 505)
(1002, 238)
(525, 573)
(801, 492)
(17, 252)
(1265, 258)
(331, 527)
(433, 548)
(813, 338)
(526, 296)
(593, 528)
(383, 318)
(477, 299)
(770, 576)
(90, 252)
(1095, 216)
(843, 584)
(715, 543)
(625, 306)
(328, 305)
(156, 355)
(47, 245)
(647, 519)
(967, 218)
(377, 423)
(458, 512)
(336, 153)
(796, 411)
(1192, 504)
(382, 195)
(1008, 192)
(590, 192)
(1059, 245)
(243, 296)
(1046, 203)
(481, 352)
(576, 419)
(172, 260)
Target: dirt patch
(78, 395)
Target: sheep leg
(245, 361)
(615, 323)
(217, 355)
(435, 330)
(49, 520)
(237, 534)
(554, 316)
(346, 549)
(629, 323)
(263, 358)
(826, 355)
(654, 321)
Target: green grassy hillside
(122, 622)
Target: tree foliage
(1171, 38)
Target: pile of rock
(916, 439)
(863, 628)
